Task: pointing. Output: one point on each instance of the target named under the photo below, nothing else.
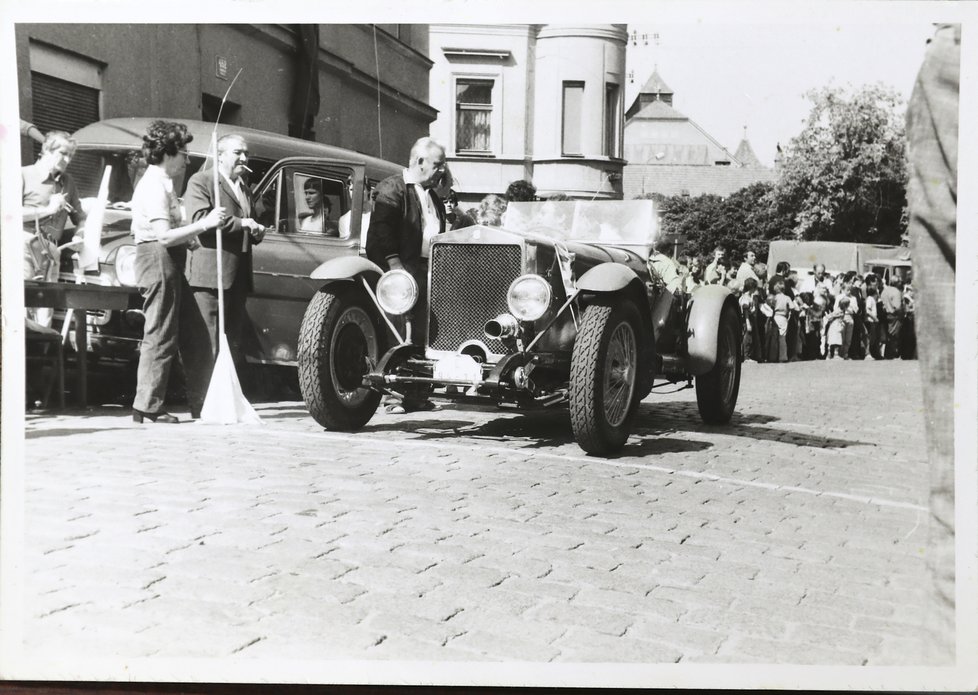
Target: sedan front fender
(347, 268)
(607, 277)
(702, 328)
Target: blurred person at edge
(174, 328)
(407, 216)
(871, 321)
(932, 196)
(49, 199)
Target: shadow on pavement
(69, 431)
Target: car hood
(590, 253)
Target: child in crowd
(811, 325)
(748, 310)
(835, 330)
(872, 323)
(777, 342)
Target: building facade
(670, 154)
(363, 87)
(539, 102)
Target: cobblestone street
(793, 536)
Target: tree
(843, 177)
(746, 220)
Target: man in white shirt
(746, 269)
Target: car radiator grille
(468, 288)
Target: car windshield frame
(610, 222)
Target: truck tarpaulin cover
(836, 256)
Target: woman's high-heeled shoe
(164, 417)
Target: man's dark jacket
(201, 268)
(397, 223)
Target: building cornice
(608, 32)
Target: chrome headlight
(125, 265)
(397, 292)
(528, 297)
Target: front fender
(607, 277)
(347, 268)
(702, 328)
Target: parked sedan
(283, 168)
(556, 308)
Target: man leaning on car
(407, 215)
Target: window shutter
(62, 105)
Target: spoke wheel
(604, 370)
(339, 340)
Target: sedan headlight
(125, 265)
(528, 297)
(397, 292)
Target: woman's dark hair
(521, 190)
(871, 291)
(162, 138)
(750, 284)
(782, 268)
(807, 297)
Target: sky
(727, 75)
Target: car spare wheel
(604, 371)
(339, 340)
(716, 391)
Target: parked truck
(841, 256)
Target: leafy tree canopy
(843, 177)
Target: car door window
(318, 202)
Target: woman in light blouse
(173, 327)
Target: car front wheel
(339, 340)
(716, 391)
(604, 371)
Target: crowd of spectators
(786, 317)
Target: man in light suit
(238, 232)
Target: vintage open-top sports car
(556, 307)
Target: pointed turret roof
(745, 154)
(655, 84)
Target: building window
(473, 114)
(573, 112)
(612, 119)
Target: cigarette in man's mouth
(247, 168)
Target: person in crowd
(746, 269)
(857, 304)
(693, 275)
(891, 302)
(491, 211)
(454, 217)
(793, 336)
(748, 312)
(407, 215)
(871, 322)
(816, 279)
(49, 199)
(777, 329)
(239, 231)
(811, 322)
(835, 329)
(559, 197)
(521, 191)
(908, 333)
(760, 269)
(716, 270)
(173, 328)
(320, 208)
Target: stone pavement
(794, 536)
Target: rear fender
(347, 268)
(702, 328)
